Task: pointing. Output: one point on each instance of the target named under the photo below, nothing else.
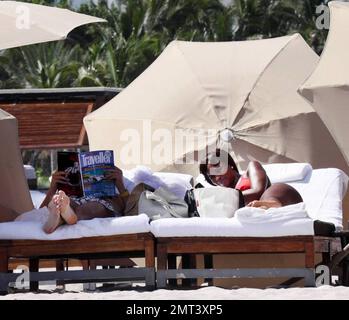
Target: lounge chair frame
(307, 245)
(131, 245)
(341, 259)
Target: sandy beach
(74, 292)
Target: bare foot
(67, 213)
(54, 219)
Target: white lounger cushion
(30, 227)
(323, 191)
(247, 222)
(282, 172)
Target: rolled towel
(258, 215)
(287, 172)
(177, 183)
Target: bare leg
(62, 210)
(72, 213)
(277, 195)
(281, 193)
(131, 207)
(91, 210)
(66, 211)
(54, 219)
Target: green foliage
(51, 65)
(43, 181)
(116, 52)
(7, 78)
(273, 18)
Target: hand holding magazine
(87, 173)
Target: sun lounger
(125, 237)
(285, 230)
(99, 238)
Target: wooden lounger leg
(150, 264)
(86, 266)
(172, 264)
(326, 258)
(208, 261)
(309, 279)
(34, 267)
(161, 278)
(60, 267)
(189, 262)
(3, 271)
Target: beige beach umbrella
(245, 90)
(13, 184)
(26, 23)
(328, 86)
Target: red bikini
(243, 184)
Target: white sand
(208, 293)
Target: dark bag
(190, 200)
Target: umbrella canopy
(13, 184)
(328, 86)
(247, 89)
(25, 23)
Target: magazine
(95, 166)
(90, 168)
(69, 163)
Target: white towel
(287, 172)
(177, 183)
(258, 215)
(29, 226)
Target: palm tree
(189, 19)
(50, 65)
(125, 50)
(305, 17)
(138, 31)
(7, 78)
(261, 18)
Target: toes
(61, 194)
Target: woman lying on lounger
(65, 210)
(220, 169)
